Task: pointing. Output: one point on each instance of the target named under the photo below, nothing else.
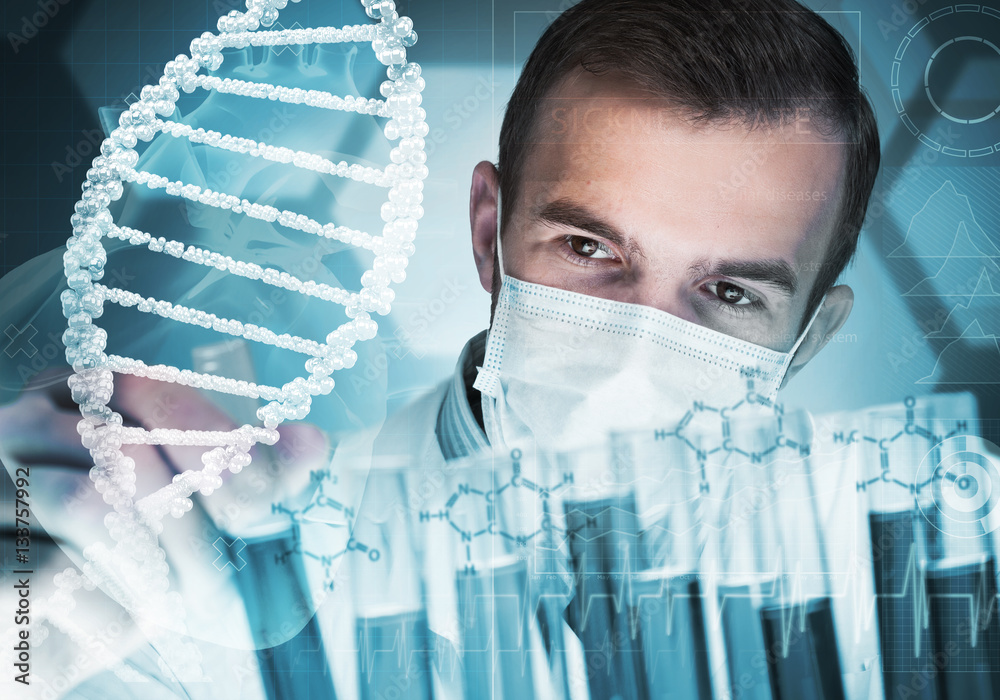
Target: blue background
(62, 62)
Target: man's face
(718, 224)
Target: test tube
(394, 649)
(273, 583)
(962, 573)
(485, 529)
(900, 538)
(395, 644)
(963, 612)
(803, 645)
(667, 602)
(527, 492)
(289, 645)
(775, 604)
(934, 562)
(602, 532)
(739, 604)
(493, 616)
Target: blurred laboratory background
(926, 277)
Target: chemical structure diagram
(951, 476)
(693, 420)
(324, 480)
(471, 511)
(909, 429)
(487, 500)
(700, 416)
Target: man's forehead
(588, 108)
(663, 156)
(603, 128)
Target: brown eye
(731, 294)
(588, 247)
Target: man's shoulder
(439, 423)
(419, 414)
(407, 432)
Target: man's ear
(483, 218)
(831, 317)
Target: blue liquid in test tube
(493, 617)
(273, 586)
(603, 545)
(670, 616)
(934, 562)
(744, 642)
(900, 596)
(394, 656)
(777, 622)
(963, 613)
(802, 658)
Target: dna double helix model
(132, 567)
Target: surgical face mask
(563, 370)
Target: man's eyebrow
(563, 212)
(776, 273)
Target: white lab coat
(395, 474)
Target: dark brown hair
(750, 62)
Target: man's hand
(277, 474)
(39, 431)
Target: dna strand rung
(354, 33)
(277, 154)
(207, 438)
(196, 317)
(134, 571)
(198, 380)
(311, 98)
(264, 212)
(249, 270)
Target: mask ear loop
(488, 379)
(800, 339)
(499, 244)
